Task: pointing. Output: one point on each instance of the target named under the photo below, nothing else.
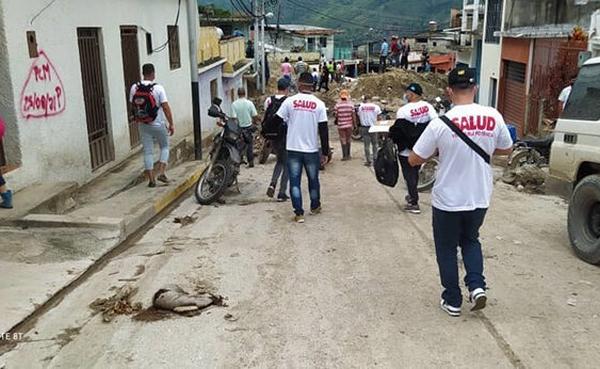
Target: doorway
(131, 74)
(92, 78)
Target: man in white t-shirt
(411, 120)
(149, 129)
(463, 187)
(563, 98)
(368, 114)
(306, 118)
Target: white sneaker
(478, 298)
(451, 310)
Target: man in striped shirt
(345, 119)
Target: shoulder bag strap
(484, 155)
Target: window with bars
(494, 21)
(174, 52)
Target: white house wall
(490, 68)
(55, 147)
(204, 80)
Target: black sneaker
(251, 165)
(282, 198)
(451, 310)
(413, 208)
(478, 298)
(151, 184)
(163, 178)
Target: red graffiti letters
(43, 94)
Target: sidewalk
(62, 230)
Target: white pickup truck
(575, 155)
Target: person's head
(366, 98)
(305, 82)
(314, 69)
(148, 72)
(299, 58)
(414, 92)
(384, 40)
(344, 95)
(241, 92)
(286, 60)
(462, 86)
(283, 84)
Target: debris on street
(389, 86)
(174, 298)
(118, 304)
(527, 177)
(185, 221)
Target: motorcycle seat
(540, 143)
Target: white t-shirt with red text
(419, 112)
(464, 181)
(368, 113)
(303, 113)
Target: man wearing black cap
(306, 118)
(411, 120)
(461, 196)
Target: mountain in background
(357, 17)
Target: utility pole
(263, 82)
(256, 33)
(192, 20)
(368, 56)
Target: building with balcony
(308, 40)
(222, 70)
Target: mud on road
(354, 287)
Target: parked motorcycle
(225, 158)
(532, 151)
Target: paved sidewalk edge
(130, 226)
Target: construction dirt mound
(389, 86)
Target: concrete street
(354, 287)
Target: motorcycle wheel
(212, 183)
(427, 175)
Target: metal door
(513, 99)
(101, 147)
(131, 74)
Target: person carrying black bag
(466, 138)
(412, 119)
(277, 137)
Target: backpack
(272, 129)
(386, 164)
(145, 108)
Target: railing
(234, 51)
(208, 45)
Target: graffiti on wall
(43, 94)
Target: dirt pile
(388, 86)
(527, 177)
(117, 304)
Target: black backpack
(386, 164)
(145, 108)
(272, 129)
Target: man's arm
(167, 110)
(503, 151)
(324, 136)
(414, 159)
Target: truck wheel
(584, 219)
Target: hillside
(357, 17)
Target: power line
(169, 35)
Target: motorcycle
(225, 158)
(527, 152)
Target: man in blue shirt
(383, 55)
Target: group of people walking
(464, 139)
(398, 51)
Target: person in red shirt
(395, 52)
(345, 119)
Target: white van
(575, 161)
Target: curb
(127, 228)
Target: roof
(593, 61)
(546, 31)
(304, 30)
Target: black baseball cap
(283, 84)
(416, 88)
(462, 77)
(306, 78)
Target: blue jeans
(450, 230)
(311, 163)
(149, 133)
